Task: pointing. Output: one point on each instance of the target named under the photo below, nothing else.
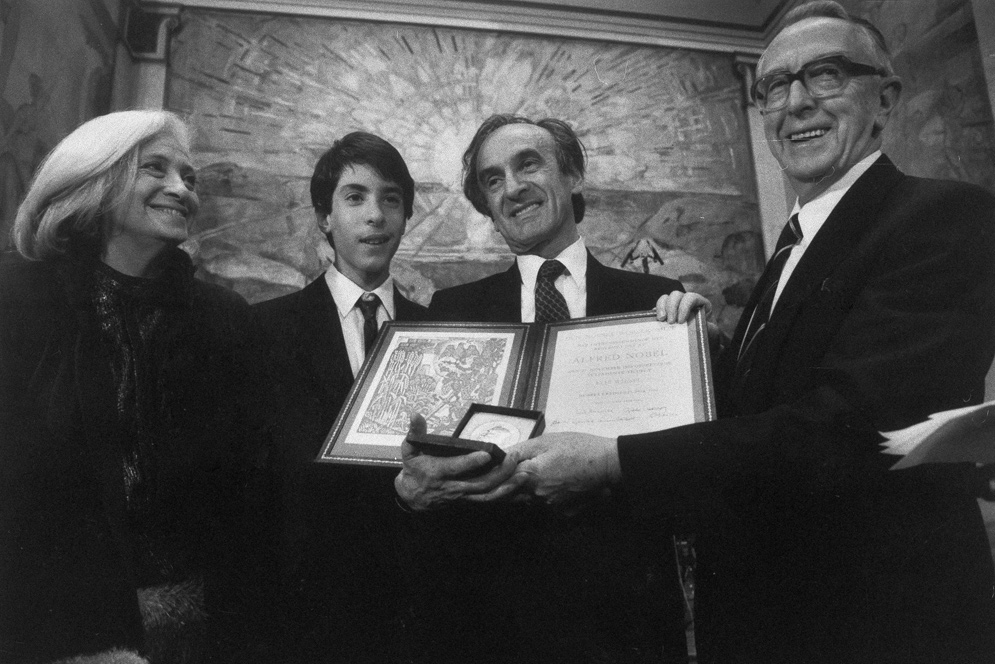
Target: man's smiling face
(365, 225)
(817, 141)
(527, 193)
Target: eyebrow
(781, 70)
(183, 165)
(389, 188)
(516, 158)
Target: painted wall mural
(56, 69)
(670, 186)
(943, 126)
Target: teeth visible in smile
(805, 135)
(172, 211)
(374, 240)
(527, 208)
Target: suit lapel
(602, 294)
(405, 309)
(321, 332)
(852, 217)
(504, 298)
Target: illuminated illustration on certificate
(437, 377)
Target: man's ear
(325, 226)
(888, 96)
(578, 183)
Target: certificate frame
(699, 381)
(437, 369)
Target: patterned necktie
(368, 303)
(551, 306)
(790, 236)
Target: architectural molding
(575, 23)
(746, 67)
(147, 27)
(774, 196)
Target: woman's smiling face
(156, 212)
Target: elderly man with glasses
(876, 310)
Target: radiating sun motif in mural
(669, 163)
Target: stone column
(774, 196)
(140, 75)
(984, 22)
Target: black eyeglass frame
(846, 65)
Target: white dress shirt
(572, 283)
(813, 215)
(345, 293)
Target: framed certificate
(435, 369)
(605, 375)
(623, 374)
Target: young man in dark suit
(875, 311)
(595, 588)
(340, 577)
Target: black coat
(536, 587)
(66, 570)
(809, 549)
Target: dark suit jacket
(595, 588)
(306, 336)
(342, 585)
(809, 549)
(498, 298)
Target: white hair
(80, 180)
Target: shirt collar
(813, 214)
(574, 258)
(345, 292)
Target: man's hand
(678, 307)
(566, 470)
(429, 482)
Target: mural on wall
(943, 126)
(670, 186)
(56, 68)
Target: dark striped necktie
(790, 236)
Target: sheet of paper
(952, 436)
(614, 380)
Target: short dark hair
(571, 157)
(832, 9)
(360, 147)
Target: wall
(670, 187)
(56, 67)
(943, 127)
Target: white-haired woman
(124, 431)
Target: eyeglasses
(822, 78)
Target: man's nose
(375, 214)
(799, 98)
(514, 186)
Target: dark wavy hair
(360, 147)
(570, 156)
